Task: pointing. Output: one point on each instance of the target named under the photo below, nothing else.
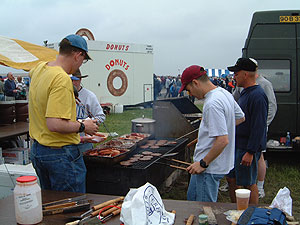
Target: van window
(278, 72)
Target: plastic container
(242, 198)
(118, 108)
(288, 139)
(203, 219)
(28, 200)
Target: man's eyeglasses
(85, 57)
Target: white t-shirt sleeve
(238, 112)
(216, 121)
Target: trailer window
(278, 72)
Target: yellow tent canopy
(23, 55)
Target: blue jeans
(85, 147)
(203, 187)
(60, 169)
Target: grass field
(281, 172)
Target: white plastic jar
(28, 200)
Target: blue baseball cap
(74, 78)
(78, 42)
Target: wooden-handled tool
(114, 213)
(107, 212)
(77, 206)
(190, 220)
(187, 134)
(110, 202)
(97, 208)
(178, 167)
(192, 143)
(60, 205)
(182, 162)
(81, 197)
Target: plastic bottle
(288, 139)
(203, 220)
(28, 200)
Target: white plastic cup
(242, 198)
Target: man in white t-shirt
(214, 153)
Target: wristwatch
(81, 128)
(203, 164)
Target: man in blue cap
(55, 153)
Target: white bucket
(118, 108)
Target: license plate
(289, 19)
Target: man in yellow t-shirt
(55, 153)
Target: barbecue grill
(117, 179)
(176, 117)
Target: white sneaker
(261, 193)
(224, 187)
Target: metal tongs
(90, 115)
(174, 160)
(66, 205)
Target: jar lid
(25, 179)
(203, 216)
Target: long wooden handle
(109, 211)
(110, 202)
(95, 213)
(178, 167)
(192, 143)
(190, 220)
(116, 212)
(76, 222)
(186, 163)
(60, 205)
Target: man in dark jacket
(250, 135)
(10, 89)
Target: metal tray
(120, 143)
(105, 159)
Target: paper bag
(144, 206)
(283, 201)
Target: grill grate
(162, 150)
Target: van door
(274, 46)
(298, 77)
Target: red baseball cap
(189, 74)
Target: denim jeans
(244, 175)
(85, 147)
(203, 187)
(60, 169)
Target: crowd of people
(11, 89)
(172, 85)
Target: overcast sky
(208, 33)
